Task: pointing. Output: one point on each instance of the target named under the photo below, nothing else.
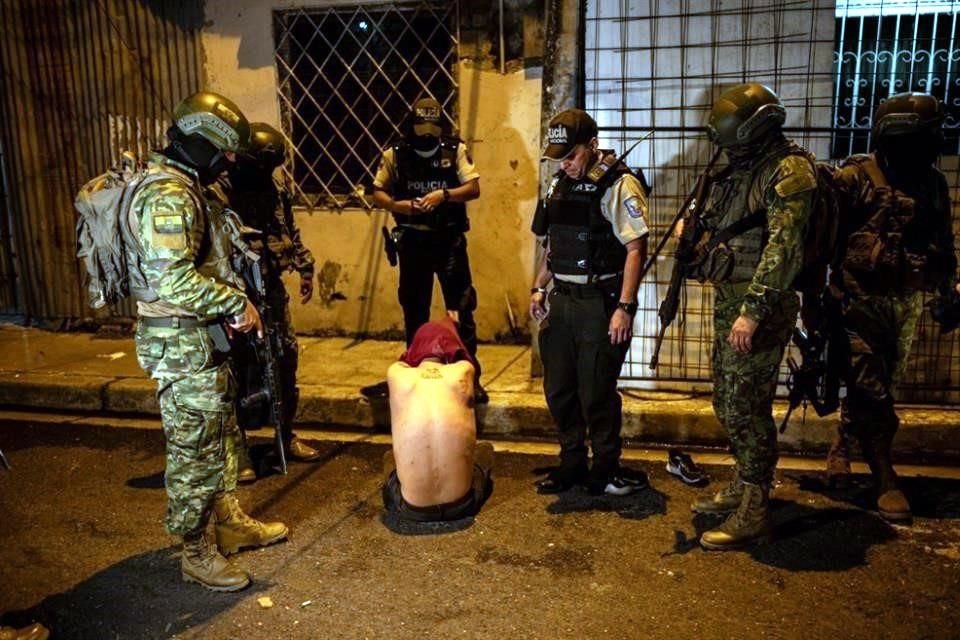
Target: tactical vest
(896, 249)
(417, 176)
(217, 234)
(735, 221)
(582, 241)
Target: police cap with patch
(427, 115)
(568, 129)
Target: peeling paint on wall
(327, 283)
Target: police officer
(757, 209)
(253, 194)
(425, 181)
(183, 241)
(593, 218)
(897, 242)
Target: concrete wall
(499, 120)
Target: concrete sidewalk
(79, 372)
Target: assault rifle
(815, 380)
(689, 212)
(253, 269)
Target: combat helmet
(907, 113)
(745, 114)
(215, 118)
(267, 145)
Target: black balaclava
(198, 153)
(910, 154)
(253, 172)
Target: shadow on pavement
(152, 481)
(804, 538)
(637, 506)
(929, 497)
(142, 596)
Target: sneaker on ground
(682, 465)
(624, 481)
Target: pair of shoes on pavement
(681, 465)
(622, 481)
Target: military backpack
(104, 232)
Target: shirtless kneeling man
(441, 472)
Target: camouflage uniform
(258, 202)
(767, 259)
(880, 318)
(185, 243)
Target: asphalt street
(85, 553)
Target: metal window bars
(884, 48)
(347, 78)
(658, 64)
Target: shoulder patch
(634, 207)
(796, 175)
(168, 208)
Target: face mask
(910, 153)
(425, 144)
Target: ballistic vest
(417, 176)
(582, 241)
(735, 219)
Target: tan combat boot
(723, 501)
(245, 472)
(891, 503)
(749, 523)
(236, 530)
(36, 631)
(201, 563)
(838, 461)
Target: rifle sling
(752, 221)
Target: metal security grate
(658, 64)
(347, 77)
(884, 48)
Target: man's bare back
(434, 430)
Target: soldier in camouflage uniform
(184, 240)
(253, 194)
(897, 242)
(758, 206)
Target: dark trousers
(444, 253)
(580, 372)
(467, 506)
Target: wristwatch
(446, 195)
(629, 307)
(542, 290)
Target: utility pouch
(219, 336)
